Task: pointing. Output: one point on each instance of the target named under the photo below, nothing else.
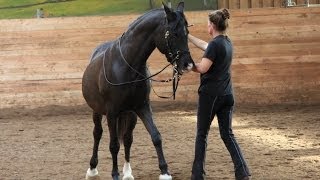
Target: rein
(175, 78)
(168, 80)
(175, 82)
(134, 81)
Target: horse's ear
(170, 14)
(180, 7)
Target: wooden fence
(245, 4)
(276, 59)
(276, 55)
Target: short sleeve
(210, 52)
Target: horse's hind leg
(114, 145)
(97, 133)
(130, 119)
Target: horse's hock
(276, 57)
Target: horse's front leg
(97, 133)
(145, 115)
(114, 145)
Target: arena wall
(245, 4)
(276, 57)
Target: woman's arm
(205, 63)
(203, 66)
(198, 42)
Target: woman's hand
(203, 66)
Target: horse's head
(176, 39)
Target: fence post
(277, 3)
(234, 4)
(223, 4)
(267, 3)
(256, 3)
(244, 4)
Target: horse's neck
(139, 46)
(138, 42)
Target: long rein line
(175, 82)
(124, 59)
(134, 81)
(175, 79)
(128, 82)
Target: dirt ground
(279, 142)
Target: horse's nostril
(188, 66)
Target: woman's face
(210, 27)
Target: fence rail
(245, 4)
(276, 57)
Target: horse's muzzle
(186, 64)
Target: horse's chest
(129, 94)
(137, 92)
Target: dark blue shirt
(217, 80)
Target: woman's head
(218, 21)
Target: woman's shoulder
(217, 40)
(222, 39)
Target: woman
(216, 95)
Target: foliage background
(16, 9)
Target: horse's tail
(125, 125)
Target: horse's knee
(128, 139)
(156, 139)
(97, 132)
(114, 146)
(96, 117)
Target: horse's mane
(101, 49)
(149, 14)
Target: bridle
(174, 57)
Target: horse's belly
(90, 90)
(121, 98)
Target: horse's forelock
(180, 17)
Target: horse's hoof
(165, 177)
(127, 177)
(127, 172)
(92, 174)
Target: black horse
(116, 82)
